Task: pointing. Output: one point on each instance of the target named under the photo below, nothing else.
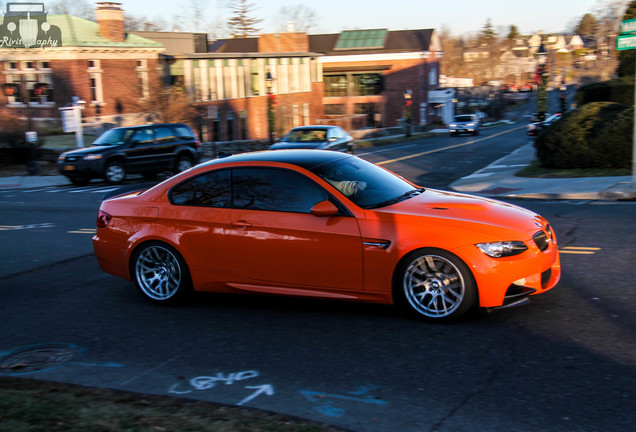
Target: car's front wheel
(435, 285)
(115, 172)
(161, 274)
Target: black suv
(147, 150)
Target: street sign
(625, 42)
(628, 26)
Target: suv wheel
(115, 172)
(184, 163)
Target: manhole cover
(37, 358)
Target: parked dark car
(464, 123)
(147, 150)
(316, 137)
(536, 127)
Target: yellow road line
(447, 148)
(579, 250)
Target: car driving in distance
(535, 127)
(147, 150)
(464, 123)
(316, 137)
(328, 225)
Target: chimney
(110, 21)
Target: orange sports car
(324, 224)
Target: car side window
(212, 189)
(164, 134)
(183, 132)
(142, 137)
(275, 189)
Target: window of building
(255, 79)
(95, 81)
(432, 74)
(28, 74)
(143, 92)
(368, 84)
(335, 109)
(335, 85)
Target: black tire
(115, 172)
(434, 285)
(183, 163)
(160, 273)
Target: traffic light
(11, 89)
(40, 89)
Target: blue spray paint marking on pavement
(326, 406)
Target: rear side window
(184, 132)
(209, 190)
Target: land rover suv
(146, 150)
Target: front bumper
(79, 168)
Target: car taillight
(103, 219)
(197, 144)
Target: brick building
(367, 75)
(98, 63)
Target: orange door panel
(296, 248)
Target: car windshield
(364, 183)
(463, 118)
(306, 135)
(113, 137)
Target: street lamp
(271, 115)
(407, 112)
(542, 93)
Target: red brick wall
(283, 42)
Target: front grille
(541, 240)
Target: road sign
(628, 26)
(625, 42)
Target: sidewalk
(497, 180)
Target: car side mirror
(324, 209)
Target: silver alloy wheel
(158, 273)
(434, 286)
(115, 173)
(183, 164)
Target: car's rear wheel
(161, 274)
(435, 285)
(184, 163)
(115, 172)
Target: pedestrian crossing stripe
(579, 250)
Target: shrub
(597, 135)
(619, 90)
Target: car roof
(151, 124)
(315, 127)
(304, 158)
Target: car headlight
(61, 157)
(470, 124)
(502, 249)
(453, 125)
(92, 156)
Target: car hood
(486, 216)
(296, 145)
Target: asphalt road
(566, 362)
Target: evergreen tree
(241, 23)
(626, 58)
(487, 34)
(588, 26)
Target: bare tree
(300, 17)
(79, 8)
(241, 23)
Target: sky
(459, 16)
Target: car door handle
(240, 224)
